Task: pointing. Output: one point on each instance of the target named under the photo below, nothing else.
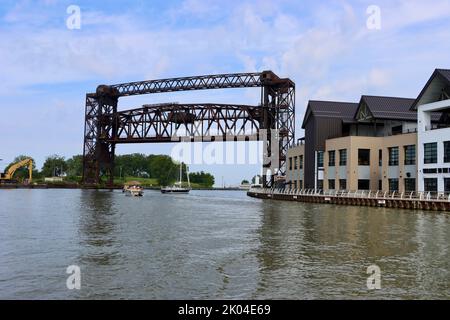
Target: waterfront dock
(411, 200)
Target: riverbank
(412, 201)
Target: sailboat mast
(187, 173)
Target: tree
(162, 168)
(22, 173)
(257, 179)
(75, 166)
(204, 179)
(131, 165)
(245, 182)
(54, 166)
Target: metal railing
(381, 195)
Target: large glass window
(331, 184)
(319, 184)
(410, 184)
(295, 163)
(430, 152)
(446, 151)
(363, 184)
(393, 156)
(431, 184)
(410, 155)
(447, 185)
(320, 159)
(364, 157)
(393, 184)
(342, 184)
(343, 157)
(331, 158)
(301, 161)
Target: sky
(332, 50)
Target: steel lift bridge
(105, 126)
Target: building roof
(389, 108)
(441, 79)
(330, 109)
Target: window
(380, 184)
(430, 152)
(342, 184)
(295, 163)
(393, 184)
(380, 158)
(331, 184)
(343, 157)
(300, 184)
(446, 151)
(446, 184)
(364, 157)
(397, 130)
(300, 158)
(331, 158)
(320, 159)
(410, 184)
(430, 184)
(410, 155)
(295, 184)
(429, 171)
(319, 184)
(393, 156)
(363, 184)
(290, 163)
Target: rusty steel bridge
(105, 126)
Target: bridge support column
(100, 127)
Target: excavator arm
(11, 170)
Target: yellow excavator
(7, 177)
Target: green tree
(245, 182)
(162, 168)
(75, 166)
(134, 165)
(54, 166)
(257, 179)
(202, 178)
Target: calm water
(214, 244)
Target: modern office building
(323, 120)
(434, 136)
(296, 173)
(380, 143)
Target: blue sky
(324, 46)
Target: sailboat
(177, 187)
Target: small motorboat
(133, 188)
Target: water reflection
(98, 228)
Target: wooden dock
(412, 200)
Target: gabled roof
(388, 108)
(431, 92)
(330, 109)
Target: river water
(215, 245)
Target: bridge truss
(105, 126)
